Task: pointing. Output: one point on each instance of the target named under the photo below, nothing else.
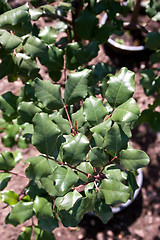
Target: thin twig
(16, 174)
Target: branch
(65, 164)
(115, 157)
(16, 174)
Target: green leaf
(155, 57)
(102, 128)
(27, 67)
(64, 179)
(8, 40)
(126, 112)
(114, 191)
(120, 87)
(8, 104)
(48, 9)
(86, 24)
(79, 117)
(91, 51)
(61, 122)
(14, 16)
(75, 55)
(42, 207)
(115, 140)
(104, 32)
(49, 94)
(94, 111)
(132, 159)
(48, 223)
(103, 211)
(76, 86)
(48, 35)
(4, 180)
(8, 141)
(7, 161)
(152, 10)
(45, 133)
(153, 40)
(65, 207)
(98, 140)
(76, 149)
(7, 66)
(27, 110)
(114, 172)
(52, 59)
(35, 14)
(22, 142)
(34, 47)
(87, 168)
(38, 167)
(98, 157)
(131, 182)
(26, 234)
(20, 212)
(9, 197)
(148, 81)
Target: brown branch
(16, 174)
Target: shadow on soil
(120, 222)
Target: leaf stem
(16, 174)
(115, 157)
(69, 119)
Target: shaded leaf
(8, 104)
(4, 180)
(76, 86)
(61, 122)
(48, 223)
(98, 157)
(7, 161)
(103, 211)
(27, 110)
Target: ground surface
(141, 220)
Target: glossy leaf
(86, 24)
(61, 122)
(114, 191)
(14, 16)
(4, 180)
(126, 112)
(65, 207)
(7, 161)
(26, 234)
(102, 128)
(45, 133)
(8, 40)
(94, 111)
(103, 211)
(9, 197)
(76, 86)
(34, 47)
(76, 149)
(115, 140)
(87, 168)
(38, 167)
(114, 172)
(35, 13)
(131, 182)
(20, 212)
(98, 157)
(48, 35)
(64, 179)
(42, 207)
(27, 110)
(132, 159)
(48, 94)
(8, 104)
(120, 87)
